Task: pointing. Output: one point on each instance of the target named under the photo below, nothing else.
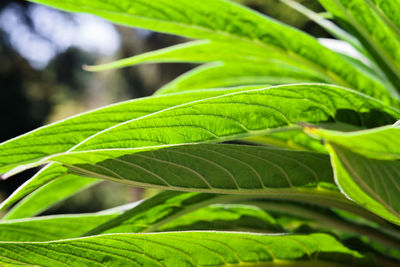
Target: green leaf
(326, 24)
(171, 211)
(49, 228)
(227, 117)
(372, 183)
(64, 135)
(251, 108)
(224, 21)
(213, 168)
(201, 52)
(227, 217)
(233, 169)
(144, 216)
(39, 140)
(44, 176)
(366, 167)
(389, 11)
(185, 249)
(377, 143)
(237, 65)
(294, 217)
(376, 35)
(221, 74)
(47, 195)
(294, 139)
(157, 210)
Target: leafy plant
(315, 155)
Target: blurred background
(42, 51)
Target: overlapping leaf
(64, 135)
(186, 248)
(201, 52)
(237, 65)
(213, 168)
(372, 183)
(373, 30)
(224, 21)
(226, 117)
(377, 143)
(51, 227)
(240, 73)
(50, 191)
(171, 211)
(366, 167)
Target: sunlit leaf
(186, 248)
(377, 36)
(224, 21)
(243, 73)
(64, 135)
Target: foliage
(273, 133)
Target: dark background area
(41, 78)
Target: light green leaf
(372, 183)
(44, 176)
(95, 121)
(143, 216)
(237, 65)
(389, 11)
(47, 195)
(64, 135)
(294, 139)
(326, 24)
(156, 211)
(224, 21)
(227, 217)
(376, 35)
(250, 109)
(297, 139)
(377, 143)
(227, 117)
(185, 249)
(171, 211)
(201, 52)
(48, 228)
(366, 167)
(227, 74)
(364, 64)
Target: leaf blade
(62, 136)
(369, 182)
(231, 23)
(190, 247)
